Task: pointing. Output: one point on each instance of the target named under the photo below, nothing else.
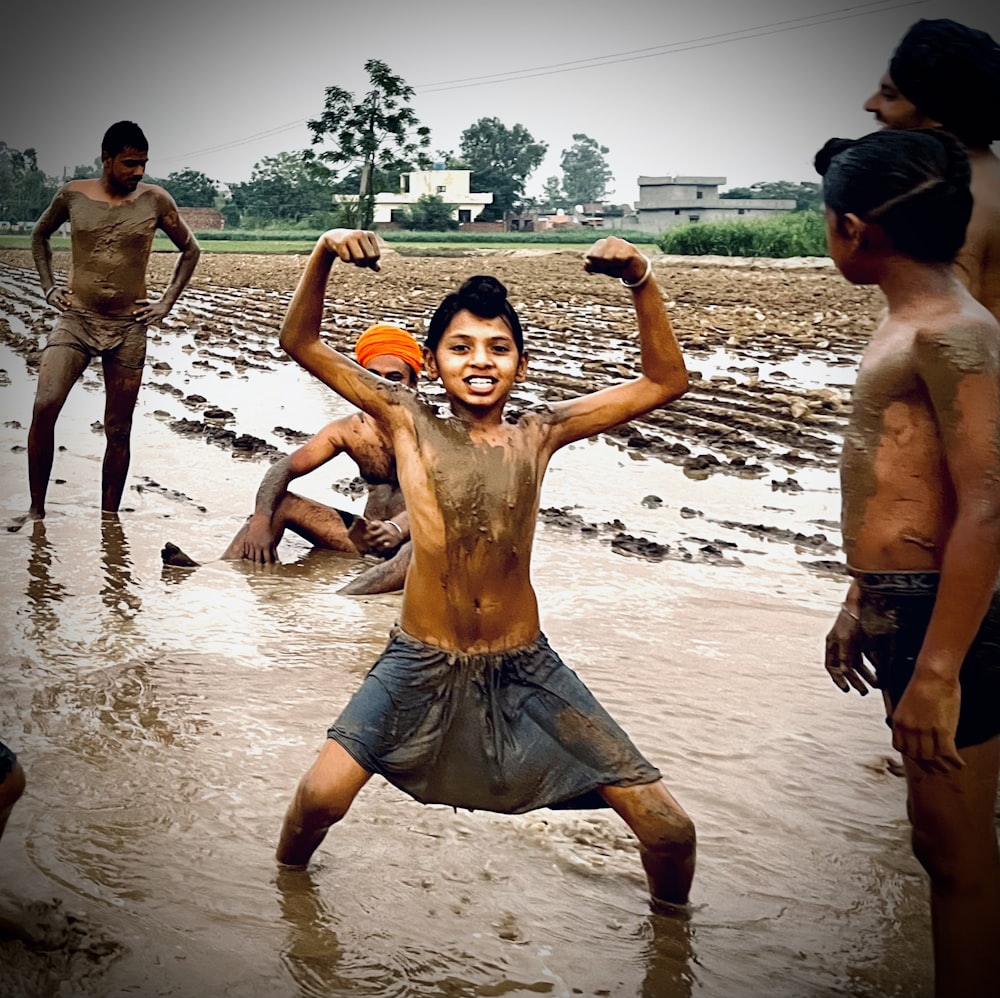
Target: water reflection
(118, 589)
(668, 957)
(43, 592)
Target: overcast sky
(741, 89)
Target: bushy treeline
(576, 237)
(798, 233)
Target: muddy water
(163, 718)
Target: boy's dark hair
(123, 135)
(914, 184)
(481, 295)
(951, 73)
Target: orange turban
(382, 339)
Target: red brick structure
(202, 218)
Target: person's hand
(616, 258)
(259, 542)
(151, 312)
(357, 246)
(59, 297)
(925, 720)
(376, 536)
(844, 661)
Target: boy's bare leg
(59, 369)
(666, 837)
(956, 842)
(321, 799)
(385, 577)
(10, 792)
(121, 387)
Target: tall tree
(552, 195)
(586, 173)
(287, 186)
(25, 190)
(501, 160)
(378, 132)
(84, 172)
(192, 189)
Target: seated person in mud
(103, 308)
(920, 519)
(468, 705)
(383, 531)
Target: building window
(397, 215)
(693, 218)
(699, 195)
(465, 214)
(742, 211)
(677, 211)
(441, 189)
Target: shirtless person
(468, 704)
(103, 308)
(944, 74)
(384, 530)
(920, 480)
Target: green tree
(586, 173)
(25, 190)
(501, 160)
(807, 196)
(192, 189)
(431, 214)
(552, 195)
(378, 132)
(84, 172)
(289, 186)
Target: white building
(451, 186)
(665, 202)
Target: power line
(632, 55)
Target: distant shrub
(797, 233)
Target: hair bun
(486, 293)
(824, 157)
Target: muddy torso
(978, 263)
(472, 497)
(111, 242)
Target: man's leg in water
(954, 838)
(59, 370)
(666, 837)
(384, 577)
(121, 387)
(321, 799)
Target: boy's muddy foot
(173, 555)
(15, 524)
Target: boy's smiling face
(477, 361)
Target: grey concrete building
(665, 202)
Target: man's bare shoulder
(967, 338)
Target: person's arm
(41, 248)
(300, 329)
(664, 376)
(183, 238)
(961, 371)
(382, 535)
(261, 536)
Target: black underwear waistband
(898, 583)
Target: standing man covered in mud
(383, 532)
(946, 75)
(103, 307)
(920, 519)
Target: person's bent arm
(41, 248)
(183, 238)
(664, 376)
(300, 329)
(964, 384)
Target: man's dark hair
(914, 184)
(951, 73)
(123, 135)
(481, 295)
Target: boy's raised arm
(664, 376)
(301, 326)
